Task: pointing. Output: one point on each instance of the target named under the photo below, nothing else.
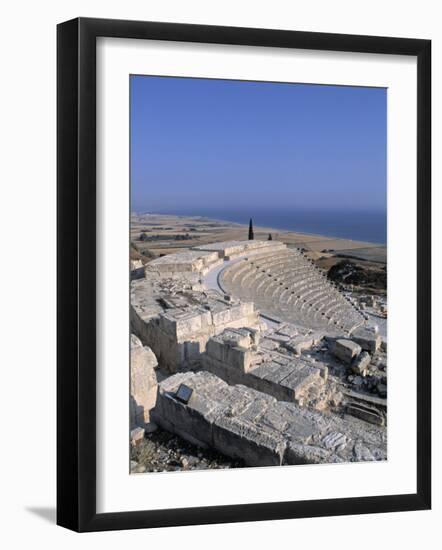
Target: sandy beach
(165, 234)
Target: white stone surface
(346, 350)
(244, 423)
(143, 382)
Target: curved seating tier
(286, 285)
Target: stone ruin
(288, 287)
(259, 429)
(240, 357)
(193, 261)
(176, 321)
(143, 386)
(259, 388)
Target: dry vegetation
(155, 235)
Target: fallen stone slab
(345, 350)
(371, 399)
(367, 338)
(243, 423)
(287, 378)
(367, 414)
(248, 440)
(302, 342)
(307, 454)
(300, 379)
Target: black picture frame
(76, 274)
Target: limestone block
(235, 357)
(235, 249)
(236, 337)
(345, 350)
(178, 418)
(223, 317)
(143, 382)
(176, 321)
(244, 423)
(167, 323)
(181, 323)
(192, 350)
(236, 313)
(193, 421)
(269, 345)
(216, 348)
(297, 453)
(300, 379)
(181, 262)
(206, 319)
(279, 338)
(334, 440)
(366, 414)
(248, 441)
(189, 323)
(360, 363)
(246, 309)
(239, 358)
(300, 343)
(367, 338)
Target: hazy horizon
(199, 144)
(367, 226)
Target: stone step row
(288, 284)
(247, 275)
(305, 308)
(271, 262)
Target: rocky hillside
(362, 274)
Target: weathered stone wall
(192, 261)
(243, 423)
(201, 259)
(244, 357)
(178, 336)
(230, 250)
(143, 382)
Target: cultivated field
(165, 234)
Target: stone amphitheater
(247, 348)
(288, 286)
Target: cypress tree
(251, 235)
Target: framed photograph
(243, 274)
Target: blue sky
(196, 143)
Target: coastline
(363, 226)
(319, 236)
(205, 230)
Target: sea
(368, 226)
